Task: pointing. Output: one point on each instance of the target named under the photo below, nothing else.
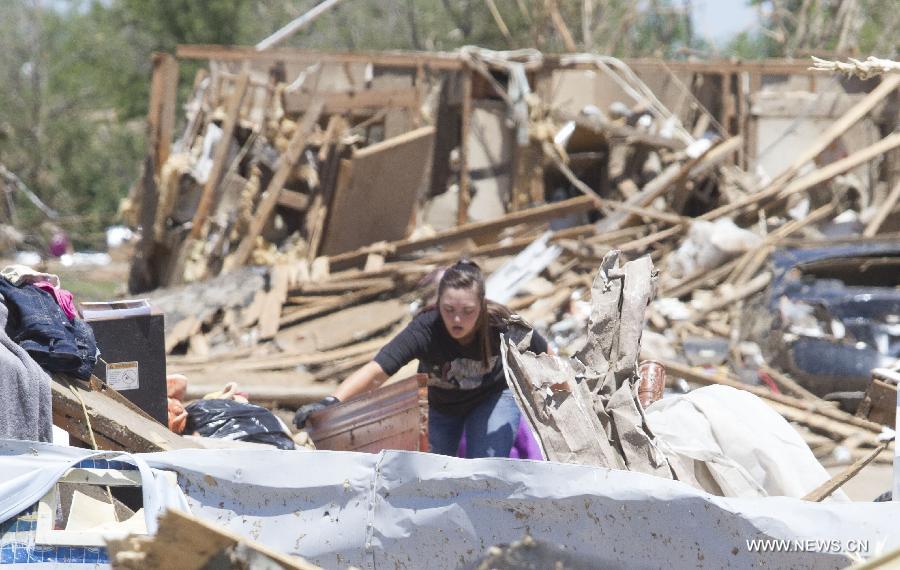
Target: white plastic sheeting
(417, 510)
(29, 469)
(740, 447)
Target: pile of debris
(347, 181)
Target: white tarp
(417, 510)
(738, 445)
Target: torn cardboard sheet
(585, 410)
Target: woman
(457, 343)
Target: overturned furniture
(391, 417)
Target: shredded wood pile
(346, 186)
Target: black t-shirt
(457, 379)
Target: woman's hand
(307, 410)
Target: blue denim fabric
(39, 325)
(490, 428)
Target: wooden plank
(300, 22)
(232, 111)
(841, 166)
(538, 214)
(154, 108)
(758, 283)
(117, 426)
(608, 205)
(561, 28)
(619, 132)
(405, 60)
(378, 200)
(750, 262)
(788, 384)
(780, 188)
(888, 85)
(293, 200)
(274, 301)
(189, 543)
(270, 198)
(293, 317)
(284, 361)
(465, 193)
(169, 108)
(342, 328)
(701, 377)
(341, 286)
(884, 210)
(825, 490)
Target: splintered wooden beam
(884, 210)
(825, 490)
(270, 198)
(780, 187)
(116, 425)
(407, 60)
(168, 109)
(187, 542)
(465, 193)
(232, 111)
(560, 24)
(843, 124)
(699, 376)
(538, 214)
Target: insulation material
(708, 246)
(504, 283)
(377, 191)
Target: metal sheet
(416, 510)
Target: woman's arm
(369, 376)
(364, 379)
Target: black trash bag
(227, 419)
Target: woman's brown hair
(466, 274)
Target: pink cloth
(64, 299)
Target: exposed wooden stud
(232, 112)
(465, 197)
(273, 190)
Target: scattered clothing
(38, 324)
(26, 408)
(64, 298)
(24, 275)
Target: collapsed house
(302, 214)
(707, 167)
